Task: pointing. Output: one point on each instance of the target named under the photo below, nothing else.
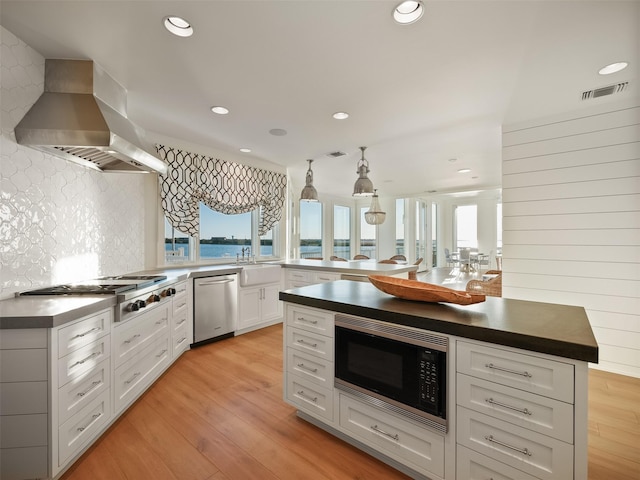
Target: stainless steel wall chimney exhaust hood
(81, 117)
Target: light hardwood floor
(218, 414)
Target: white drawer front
(82, 427)
(317, 321)
(180, 341)
(541, 414)
(133, 377)
(299, 275)
(474, 466)
(83, 360)
(310, 397)
(393, 436)
(179, 321)
(83, 333)
(180, 303)
(81, 391)
(531, 452)
(317, 370)
(181, 288)
(304, 341)
(526, 372)
(323, 277)
(134, 335)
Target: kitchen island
(516, 383)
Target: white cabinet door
(271, 304)
(249, 307)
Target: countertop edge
(575, 351)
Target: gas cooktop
(101, 286)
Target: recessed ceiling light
(220, 110)
(464, 170)
(408, 12)
(278, 132)
(341, 115)
(613, 68)
(178, 26)
(245, 150)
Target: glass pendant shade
(375, 215)
(363, 186)
(309, 192)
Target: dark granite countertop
(554, 329)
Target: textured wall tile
(59, 222)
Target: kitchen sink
(258, 274)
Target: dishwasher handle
(216, 282)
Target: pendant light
(309, 192)
(363, 186)
(375, 215)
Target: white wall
(571, 221)
(59, 222)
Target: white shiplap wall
(571, 221)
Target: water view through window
(310, 229)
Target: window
(400, 249)
(310, 229)
(367, 236)
(434, 233)
(341, 231)
(176, 245)
(224, 236)
(421, 226)
(466, 226)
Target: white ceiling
(418, 95)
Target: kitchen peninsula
(516, 383)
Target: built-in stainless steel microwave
(392, 366)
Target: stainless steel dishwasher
(215, 307)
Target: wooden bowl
(422, 291)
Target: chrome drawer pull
(302, 342)
(302, 319)
(502, 369)
(393, 437)
(304, 367)
(80, 362)
(135, 375)
(181, 305)
(160, 322)
(80, 335)
(181, 340)
(161, 353)
(92, 387)
(137, 335)
(93, 419)
(304, 395)
(181, 322)
(524, 451)
(516, 409)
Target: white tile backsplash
(59, 222)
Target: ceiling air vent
(336, 154)
(608, 90)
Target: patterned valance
(225, 187)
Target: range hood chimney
(81, 117)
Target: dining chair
(484, 260)
(464, 259)
(389, 261)
(451, 258)
(399, 257)
(414, 275)
(360, 257)
(333, 258)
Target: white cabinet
(295, 278)
(258, 307)
(309, 361)
(24, 399)
(81, 367)
(515, 414)
(180, 321)
(141, 351)
(402, 440)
